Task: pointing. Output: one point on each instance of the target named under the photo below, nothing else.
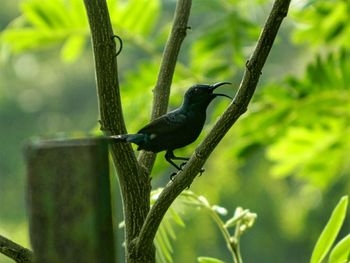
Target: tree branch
(15, 251)
(135, 186)
(161, 91)
(233, 112)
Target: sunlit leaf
(297, 144)
(330, 231)
(49, 23)
(135, 16)
(219, 48)
(303, 149)
(209, 260)
(341, 251)
(323, 22)
(72, 48)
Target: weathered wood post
(69, 201)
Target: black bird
(177, 128)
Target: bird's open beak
(216, 85)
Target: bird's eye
(196, 89)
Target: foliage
(288, 155)
(299, 142)
(166, 230)
(45, 23)
(208, 260)
(189, 201)
(328, 19)
(341, 251)
(59, 22)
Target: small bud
(219, 209)
(233, 240)
(238, 211)
(203, 200)
(242, 228)
(251, 217)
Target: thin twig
(15, 251)
(161, 91)
(233, 112)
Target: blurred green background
(287, 158)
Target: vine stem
(233, 250)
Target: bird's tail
(134, 138)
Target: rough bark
(15, 251)
(134, 184)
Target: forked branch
(239, 105)
(134, 188)
(161, 91)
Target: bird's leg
(169, 156)
(180, 158)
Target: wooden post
(69, 201)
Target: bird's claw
(201, 171)
(182, 165)
(172, 176)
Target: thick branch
(161, 91)
(14, 251)
(135, 186)
(234, 111)
(105, 67)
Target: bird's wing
(165, 124)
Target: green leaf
(136, 16)
(326, 22)
(341, 251)
(306, 151)
(209, 260)
(73, 48)
(30, 39)
(330, 232)
(46, 24)
(297, 145)
(166, 234)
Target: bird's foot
(172, 176)
(201, 171)
(182, 165)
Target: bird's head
(203, 94)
